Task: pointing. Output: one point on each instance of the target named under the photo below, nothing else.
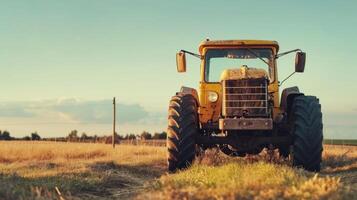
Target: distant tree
(145, 135)
(26, 137)
(35, 136)
(117, 137)
(159, 136)
(95, 138)
(5, 135)
(156, 136)
(108, 139)
(120, 137)
(130, 136)
(73, 136)
(84, 137)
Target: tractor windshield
(217, 60)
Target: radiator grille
(245, 98)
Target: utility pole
(114, 120)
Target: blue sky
(61, 62)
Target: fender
(287, 97)
(190, 91)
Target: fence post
(114, 119)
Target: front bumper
(246, 124)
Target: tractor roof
(215, 43)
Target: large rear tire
(306, 129)
(182, 129)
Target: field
(50, 170)
(340, 142)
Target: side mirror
(181, 61)
(300, 61)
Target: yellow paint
(236, 43)
(210, 112)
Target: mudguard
(190, 91)
(287, 97)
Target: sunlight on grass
(245, 181)
(32, 170)
(217, 176)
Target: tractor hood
(244, 72)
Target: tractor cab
(237, 107)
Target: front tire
(306, 119)
(182, 129)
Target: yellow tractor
(237, 107)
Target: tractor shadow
(332, 163)
(214, 157)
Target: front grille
(245, 98)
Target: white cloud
(99, 111)
(75, 110)
(14, 110)
(58, 116)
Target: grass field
(49, 170)
(340, 142)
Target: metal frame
(238, 94)
(246, 124)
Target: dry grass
(32, 170)
(17, 152)
(337, 158)
(216, 176)
(249, 181)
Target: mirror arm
(287, 52)
(280, 83)
(192, 54)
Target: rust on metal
(246, 124)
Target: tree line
(75, 136)
(5, 135)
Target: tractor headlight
(212, 96)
